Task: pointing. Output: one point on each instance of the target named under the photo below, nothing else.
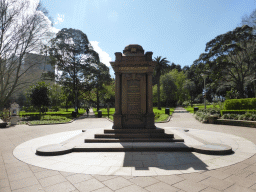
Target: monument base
(118, 120)
(171, 144)
(133, 135)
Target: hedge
(222, 112)
(240, 104)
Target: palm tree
(161, 67)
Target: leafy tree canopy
(230, 57)
(74, 57)
(40, 95)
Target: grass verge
(191, 109)
(61, 116)
(45, 122)
(159, 114)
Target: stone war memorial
(133, 101)
(134, 117)
(134, 126)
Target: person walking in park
(87, 111)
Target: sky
(175, 29)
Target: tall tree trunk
(66, 105)
(241, 90)
(97, 94)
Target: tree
(161, 67)
(109, 95)
(101, 77)
(179, 79)
(66, 97)
(40, 95)
(189, 86)
(23, 30)
(231, 58)
(250, 20)
(74, 56)
(169, 90)
(55, 95)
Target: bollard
(74, 114)
(167, 111)
(99, 114)
(195, 109)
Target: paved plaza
(22, 170)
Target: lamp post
(204, 76)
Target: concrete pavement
(16, 175)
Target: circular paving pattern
(139, 163)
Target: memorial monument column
(117, 115)
(133, 99)
(150, 113)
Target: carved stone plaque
(134, 99)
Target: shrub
(205, 117)
(247, 116)
(55, 108)
(214, 111)
(226, 116)
(29, 109)
(240, 104)
(252, 117)
(232, 116)
(185, 103)
(5, 115)
(222, 112)
(240, 117)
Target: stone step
(134, 131)
(145, 135)
(127, 146)
(180, 111)
(103, 140)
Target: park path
(17, 176)
(90, 114)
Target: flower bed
(212, 116)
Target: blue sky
(175, 29)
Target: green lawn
(62, 111)
(61, 116)
(159, 114)
(45, 122)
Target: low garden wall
(236, 122)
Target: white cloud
(59, 19)
(104, 56)
(55, 30)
